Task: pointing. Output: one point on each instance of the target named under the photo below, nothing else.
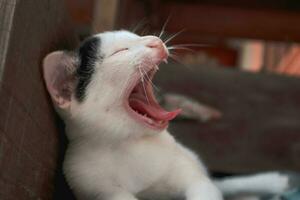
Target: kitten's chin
(142, 105)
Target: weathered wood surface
(232, 22)
(105, 12)
(213, 21)
(260, 127)
(29, 137)
(7, 8)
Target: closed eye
(119, 50)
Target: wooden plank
(81, 13)
(289, 5)
(260, 127)
(29, 136)
(233, 22)
(213, 22)
(105, 12)
(7, 8)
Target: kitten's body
(119, 148)
(114, 152)
(147, 167)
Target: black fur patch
(88, 55)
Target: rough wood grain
(29, 137)
(260, 127)
(228, 22)
(7, 8)
(105, 12)
(214, 21)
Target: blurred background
(243, 62)
(256, 36)
(241, 71)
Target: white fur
(111, 156)
(259, 184)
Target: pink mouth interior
(144, 104)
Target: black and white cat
(119, 146)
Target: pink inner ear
(59, 68)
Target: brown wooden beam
(29, 137)
(214, 22)
(288, 5)
(224, 22)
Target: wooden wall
(259, 131)
(218, 23)
(29, 136)
(211, 21)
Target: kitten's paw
(275, 182)
(204, 190)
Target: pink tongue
(154, 111)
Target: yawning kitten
(119, 148)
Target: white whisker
(173, 36)
(140, 24)
(180, 48)
(146, 75)
(145, 31)
(143, 84)
(177, 59)
(191, 45)
(164, 27)
(127, 83)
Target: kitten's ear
(59, 74)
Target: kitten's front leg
(203, 190)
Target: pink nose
(156, 43)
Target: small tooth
(150, 121)
(165, 61)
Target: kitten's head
(105, 85)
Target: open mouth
(144, 107)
